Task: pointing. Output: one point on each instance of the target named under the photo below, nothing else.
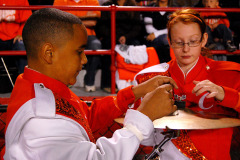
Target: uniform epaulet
(45, 101)
(42, 105)
(224, 65)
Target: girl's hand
(207, 86)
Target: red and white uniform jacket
(46, 120)
(214, 144)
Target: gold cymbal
(187, 120)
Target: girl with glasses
(205, 86)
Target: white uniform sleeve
(160, 32)
(149, 25)
(151, 29)
(62, 138)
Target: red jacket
(213, 17)
(214, 144)
(98, 115)
(12, 21)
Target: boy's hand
(151, 84)
(158, 103)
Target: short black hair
(47, 25)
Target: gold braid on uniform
(186, 146)
(63, 107)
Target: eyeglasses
(194, 43)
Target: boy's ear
(47, 53)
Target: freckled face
(70, 57)
(180, 32)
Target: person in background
(11, 25)
(203, 85)
(101, 2)
(156, 28)
(217, 27)
(144, 2)
(89, 19)
(234, 19)
(183, 3)
(45, 120)
(128, 31)
(40, 2)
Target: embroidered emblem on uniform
(201, 101)
(146, 76)
(63, 107)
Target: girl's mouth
(186, 57)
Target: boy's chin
(72, 82)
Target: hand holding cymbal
(142, 89)
(158, 103)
